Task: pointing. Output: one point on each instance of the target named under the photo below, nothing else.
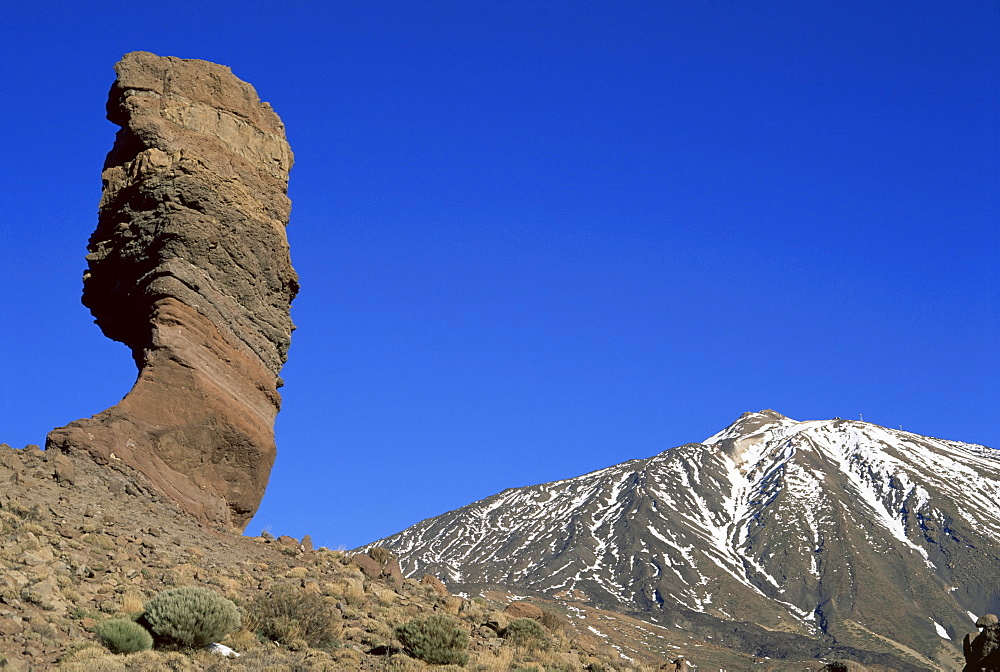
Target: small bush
(32, 515)
(553, 621)
(382, 556)
(121, 635)
(189, 616)
(292, 616)
(437, 640)
(526, 632)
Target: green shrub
(122, 635)
(190, 616)
(293, 616)
(437, 640)
(526, 632)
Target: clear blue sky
(539, 238)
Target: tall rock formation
(982, 651)
(189, 267)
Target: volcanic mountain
(829, 538)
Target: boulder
(392, 572)
(10, 627)
(189, 267)
(987, 621)
(523, 610)
(367, 565)
(64, 469)
(435, 583)
(982, 651)
(373, 569)
(843, 666)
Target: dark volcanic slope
(828, 534)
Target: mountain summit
(773, 536)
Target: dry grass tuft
(500, 660)
(132, 603)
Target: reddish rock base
(189, 267)
(197, 424)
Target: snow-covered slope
(836, 529)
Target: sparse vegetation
(191, 617)
(105, 565)
(296, 618)
(31, 514)
(553, 621)
(382, 556)
(437, 639)
(122, 635)
(526, 632)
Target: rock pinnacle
(189, 267)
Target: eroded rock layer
(189, 267)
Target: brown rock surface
(523, 610)
(435, 583)
(189, 267)
(368, 566)
(48, 611)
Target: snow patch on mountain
(756, 514)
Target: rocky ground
(81, 543)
